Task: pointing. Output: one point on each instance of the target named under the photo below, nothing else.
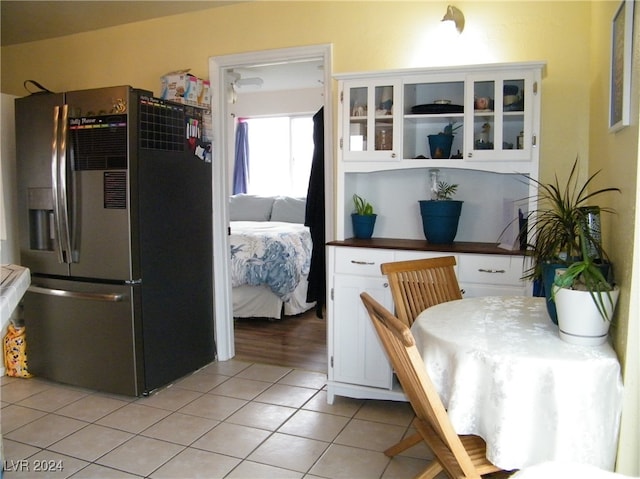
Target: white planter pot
(579, 320)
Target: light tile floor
(231, 419)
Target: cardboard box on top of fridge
(205, 95)
(183, 87)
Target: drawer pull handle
(362, 262)
(482, 270)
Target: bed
(270, 256)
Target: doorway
(223, 150)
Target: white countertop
(14, 281)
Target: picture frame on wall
(620, 75)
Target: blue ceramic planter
(363, 225)
(548, 276)
(440, 146)
(440, 220)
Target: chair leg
(403, 445)
(431, 471)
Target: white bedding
(269, 266)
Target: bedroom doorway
(221, 69)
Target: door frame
(223, 150)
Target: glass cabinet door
(371, 132)
(501, 117)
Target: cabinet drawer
(490, 269)
(361, 261)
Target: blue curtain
(241, 165)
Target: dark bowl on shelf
(483, 145)
(510, 89)
(431, 108)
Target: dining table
(504, 374)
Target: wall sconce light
(456, 16)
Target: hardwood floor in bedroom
(293, 341)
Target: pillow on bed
(288, 209)
(250, 207)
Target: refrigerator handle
(65, 238)
(108, 297)
(55, 164)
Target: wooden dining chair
(418, 284)
(458, 456)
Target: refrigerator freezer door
(82, 334)
(34, 137)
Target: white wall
(9, 249)
(274, 103)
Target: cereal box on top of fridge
(176, 85)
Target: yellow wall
(365, 35)
(572, 37)
(616, 154)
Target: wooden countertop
(423, 245)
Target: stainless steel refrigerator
(115, 220)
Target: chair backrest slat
(419, 284)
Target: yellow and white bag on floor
(15, 352)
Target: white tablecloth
(504, 374)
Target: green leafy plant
(362, 206)
(559, 223)
(445, 191)
(450, 129)
(586, 275)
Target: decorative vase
(579, 320)
(440, 145)
(440, 220)
(363, 225)
(549, 271)
(548, 276)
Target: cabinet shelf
(432, 116)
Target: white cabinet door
(357, 357)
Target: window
(280, 155)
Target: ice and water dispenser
(41, 219)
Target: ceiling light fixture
(456, 16)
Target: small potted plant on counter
(585, 300)
(364, 219)
(441, 214)
(440, 144)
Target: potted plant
(440, 215)
(553, 230)
(364, 219)
(584, 320)
(440, 144)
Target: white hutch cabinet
(384, 122)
